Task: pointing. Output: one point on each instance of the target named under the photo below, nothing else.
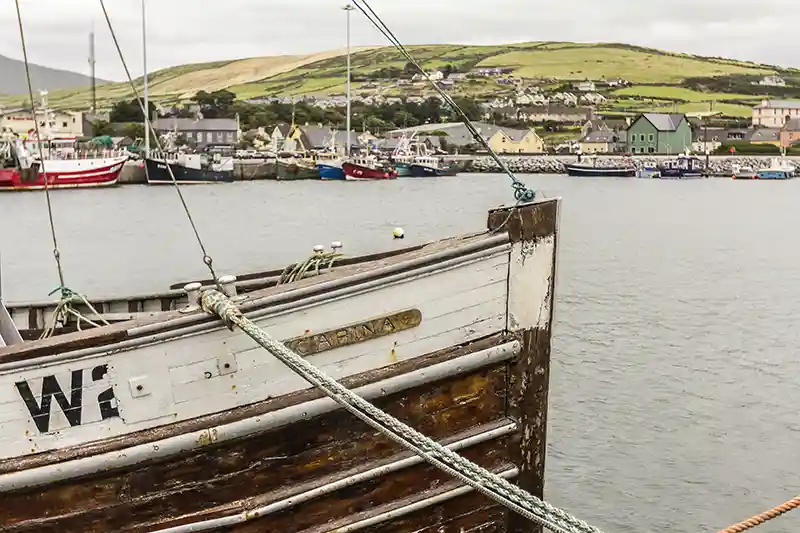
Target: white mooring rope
(482, 480)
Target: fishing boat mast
(348, 8)
(145, 91)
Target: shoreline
(719, 165)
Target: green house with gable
(659, 133)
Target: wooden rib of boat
(176, 423)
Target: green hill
(659, 77)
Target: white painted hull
(461, 304)
(81, 165)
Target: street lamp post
(348, 8)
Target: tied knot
(522, 193)
(214, 302)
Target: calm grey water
(677, 346)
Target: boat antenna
(148, 124)
(56, 252)
(521, 192)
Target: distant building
(555, 113)
(64, 125)
(500, 139)
(772, 81)
(585, 86)
(790, 133)
(607, 124)
(603, 141)
(659, 133)
(208, 131)
(775, 113)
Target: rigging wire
(56, 252)
(521, 192)
(207, 260)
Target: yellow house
(513, 141)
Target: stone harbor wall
(554, 164)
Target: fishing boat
(595, 171)
(648, 172)
(682, 167)
(187, 169)
(297, 169)
(19, 170)
(329, 165)
(741, 172)
(777, 170)
(428, 166)
(367, 167)
(233, 435)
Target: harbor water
(677, 345)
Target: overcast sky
(191, 31)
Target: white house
(772, 81)
(586, 86)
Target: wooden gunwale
(426, 363)
(174, 323)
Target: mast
(92, 71)
(348, 8)
(145, 91)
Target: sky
(189, 31)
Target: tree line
(224, 104)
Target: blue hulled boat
(330, 172)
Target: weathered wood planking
(270, 467)
(169, 381)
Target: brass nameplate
(355, 333)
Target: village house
(555, 113)
(208, 131)
(318, 138)
(500, 139)
(604, 124)
(775, 113)
(771, 81)
(592, 98)
(565, 98)
(536, 99)
(586, 86)
(603, 141)
(457, 76)
(491, 72)
(434, 75)
(66, 125)
(659, 133)
(790, 133)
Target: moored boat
(367, 167)
(203, 430)
(682, 167)
(596, 172)
(297, 169)
(428, 166)
(402, 168)
(20, 171)
(648, 172)
(777, 170)
(743, 173)
(187, 169)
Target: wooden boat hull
(294, 171)
(180, 423)
(598, 172)
(358, 172)
(157, 174)
(33, 178)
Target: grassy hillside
(657, 76)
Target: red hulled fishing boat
(20, 171)
(367, 168)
